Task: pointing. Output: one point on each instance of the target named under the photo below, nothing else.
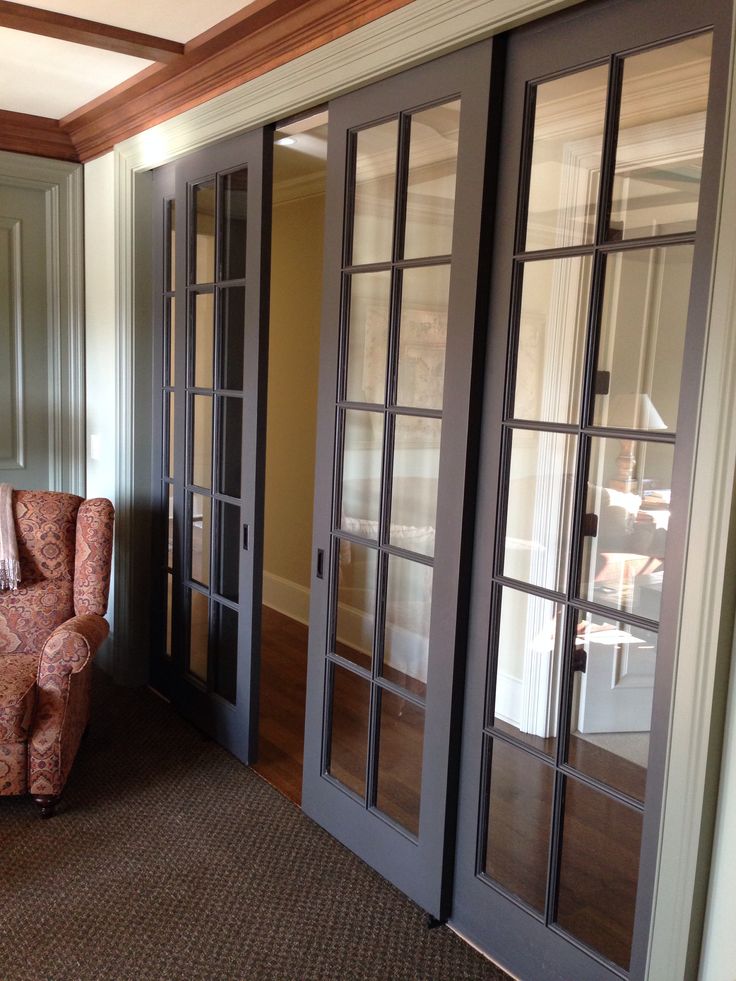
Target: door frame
(61, 185)
(706, 615)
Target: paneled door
(601, 260)
(211, 298)
(406, 166)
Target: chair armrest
(70, 648)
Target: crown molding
(274, 34)
(37, 135)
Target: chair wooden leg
(48, 804)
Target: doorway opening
(300, 170)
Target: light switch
(95, 447)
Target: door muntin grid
(214, 427)
(388, 443)
(586, 619)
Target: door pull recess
(320, 563)
(245, 538)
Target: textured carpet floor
(170, 860)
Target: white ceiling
(47, 77)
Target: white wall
(100, 361)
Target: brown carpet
(170, 860)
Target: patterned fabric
(13, 768)
(64, 679)
(17, 695)
(28, 615)
(64, 546)
(93, 556)
(46, 527)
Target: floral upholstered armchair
(50, 629)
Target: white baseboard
(508, 698)
(286, 597)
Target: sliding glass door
(211, 295)
(405, 189)
(596, 331)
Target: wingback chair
(50, 629)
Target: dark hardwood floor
(282, 696)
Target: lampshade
(633, 410)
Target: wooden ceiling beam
(47, 23)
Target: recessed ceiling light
(286, 141)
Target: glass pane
(612, 702)
(234, 223)
(430, 196)
(226, 651)
(406, 637)
(539, 509)
(529, 665)
(170, 527)
(227, 559)
(362, 460)
(642, 339)
(232, 339)
(659, 156)
(170, 272)
(349, 712)
(355, 610)
(202, 440)
(375, 186)
(566, 159)
(198, 635)
(629, 487)
(599, 870)
(552, 327)
(170, 436)
(414, 483)
(204, 339)
(201, 517)
(169, 612)
(370, 294)
(519, 821)
(425, 296)
(171, 335)
(231, 444)
(401, 741)
(203, 207)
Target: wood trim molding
(38, 135)
(48, 23)
(271, 33)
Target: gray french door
(405, 189)
(211, 298)
(601, 258)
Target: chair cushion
(17, 695)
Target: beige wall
(293, 369)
